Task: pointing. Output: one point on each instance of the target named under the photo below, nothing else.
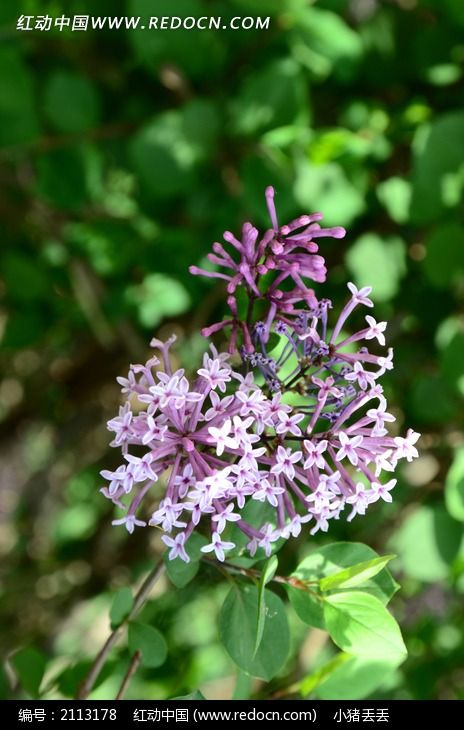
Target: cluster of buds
(264, 266)
(299, 433)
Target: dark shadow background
(124, 154)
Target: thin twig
(131, 670)
(302, 585)
(142, 594)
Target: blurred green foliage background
(124, 154)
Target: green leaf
(237, 629)
(395, 196)
(360, 624)
(427, 543)
(355, 575)
(29, 665)
(272, 97)
(243, 686)
(323, 42)
(256, 514)
(69, 680)
(329, 190)
(149, 641)
(438, 167)
(71, 102)
(456, 10)
(444, 260)
(158, 296)
(452, 359)
(378, 262)
(327, 561)
(357, 677)
(454, 487)
(24, 328)
(18, 117)
(198, 53)
(121, 606)
(75, 522)
(181, 572)
(271, 7)
(66, 177)
(4, 684)
(166, 152)
(439, 409)
(267, 574)
(192, 696)
(307, 607)
(309, 683)
(25, 280)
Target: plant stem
(302, 585)
(141, 596)
(132, 668)
(242, 686)
(249, 314)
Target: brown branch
(141, 596)
(302, 585)
(131, 670)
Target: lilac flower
(380, 416)
(227, 515)
(177, 547)
(361, 296)
(349, 448)
(213, 372)
(269, 536)
(405, 446)
(220, 437)
(360, 501)
(288, 423)
(286, 252)
(269, 491)
(129, 522)
(285, 460)
(376, 330)
(197, 451)
(314, 451)
(381, 491)
(218, 546)
(121, 425)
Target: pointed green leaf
(149, 642)
(181, 572)
(357, 677)
(379, 260)
(71, 102)
(29, 665)
(359, 624)
(454, 487)
(313, 680)
(121, 607)
(307, 607)
(355, 575)
(267, 574)
(192, 696)
(327, 561)
(427, 543)
(237, 629)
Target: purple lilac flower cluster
(301, 430)
(283, 253)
